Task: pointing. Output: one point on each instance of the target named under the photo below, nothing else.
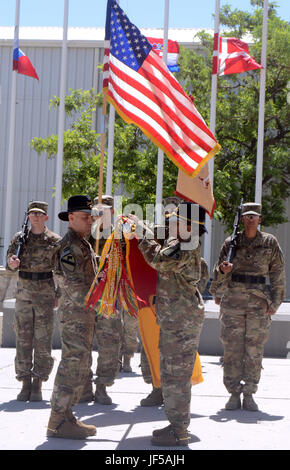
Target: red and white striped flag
(233, 56)
(143, 91)
(172, 52)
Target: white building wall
(34, 176)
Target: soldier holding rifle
(246, 303)
(31, 252)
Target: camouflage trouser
(77, 332)
(245, 328)
(109, 337)
(178, 344)
(33, 325)
(145, 367)
(129, 334)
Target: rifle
(234, 237)
(23, 236)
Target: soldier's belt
(248, 279)
(35, 276)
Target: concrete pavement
(126, 426)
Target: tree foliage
(135, 157)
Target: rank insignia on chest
(68, 260)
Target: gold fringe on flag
(113, 282)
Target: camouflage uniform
(35, 300)
(130, 342)
(244, 300)
(204, 276)
(201, 285)
(180, 314)
(77, 270)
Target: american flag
(143, 91)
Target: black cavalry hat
(76, 204)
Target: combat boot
(24, 394)
(249, 404)
(234, 402)
(126, 364)
(66, 426)
(90, 428)
(170, 437)
(101, 395)
(36, 394)
(155, 398)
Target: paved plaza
(125, 426)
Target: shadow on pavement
(241, 416)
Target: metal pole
(208, 221)
(110, 154)
(61, 122)
(160, 161)
(260, 143)
(10, 162)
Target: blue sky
(145, 14)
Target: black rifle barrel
(234, 237)
(22, 236)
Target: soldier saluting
(35, 300)
(246, 304)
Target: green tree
(81, 147)
(237, 120)
(135, 157)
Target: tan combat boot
(126, 363)
(101, 395)
(155, 398)
(24, 394)
(36, 394)
(66, 426)
(249, 404)
(234, 402)
(90, 428)
(170, 437)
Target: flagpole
(110, 154)
(208, 221)
(10, 162)
(61, 122)
(260, 143)
(160, 161)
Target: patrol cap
(76, 204)
(37, 206)
(251, 208)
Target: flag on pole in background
(143, 91)
(172, 52)
(233, 56)
(21, 63)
